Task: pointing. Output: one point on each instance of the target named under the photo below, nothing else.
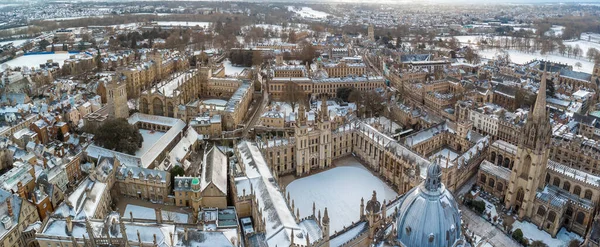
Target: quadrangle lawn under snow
(150, 138)
(531, 232)
(340, 190)
(140, 212)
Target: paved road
(485, 229)
(256, 114)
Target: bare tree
(591, 53)
(293, 95)
(578, 65)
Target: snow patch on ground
(35, 60)
(16, 43)
(520, 57)
(150, 138)
(183, 23)
(307, 12)
(140, 212)
(231, 70)
(340, 190)
(532, 232)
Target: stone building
(208, 191)
(16, 215)
(544, 191)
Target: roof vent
(7, 222)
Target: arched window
(520, 195)
(577, 190)
(547, 178)
(569, 211)
(556, 182)
(525, 167)
(493, 157)
(491, 182)
(567, 186)
(499, 186)
(541, 211)
(482, 178)
(144, 106)
(157, 107)
(551, 216)
(588, 194)
(580, 218)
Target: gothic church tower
(116, 99)
(325, 149)
(529, 171)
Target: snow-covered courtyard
(150, 138)
(340, 190)
(140, 212)
(446, 153)
(532, 232)
(231, 70)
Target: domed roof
(373, 206)
(428, 214)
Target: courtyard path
(485, 229)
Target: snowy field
(16, 43)
(532, 232)
(231, 70)
(183, 23)
(149, 140)
(307, 12)
(340, 190)
(140, 212)
(35, 60)
(520, 57)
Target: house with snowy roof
(16, 215)
(210, 189)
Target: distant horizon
(393, 2)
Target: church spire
(539, 109)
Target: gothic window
(556, 182)
(551, 216)
(541, 211)
(525, 167)
(567, 186)
(483, 178)
(577, 190)
(588, 194)
(499, 187)
(569, 212)
(491, 183)
(580, 218)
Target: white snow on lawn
(150, 138)
(183, 23)
(520, 57)
(532, 232)
(445, 153)
(16, 43)
(231, 70)
(140, 212)
(308, 12)
(340, 190)
(35, 60)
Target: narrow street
(256, 114)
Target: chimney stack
(10, 208)
(158, 213)
(69, 224)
